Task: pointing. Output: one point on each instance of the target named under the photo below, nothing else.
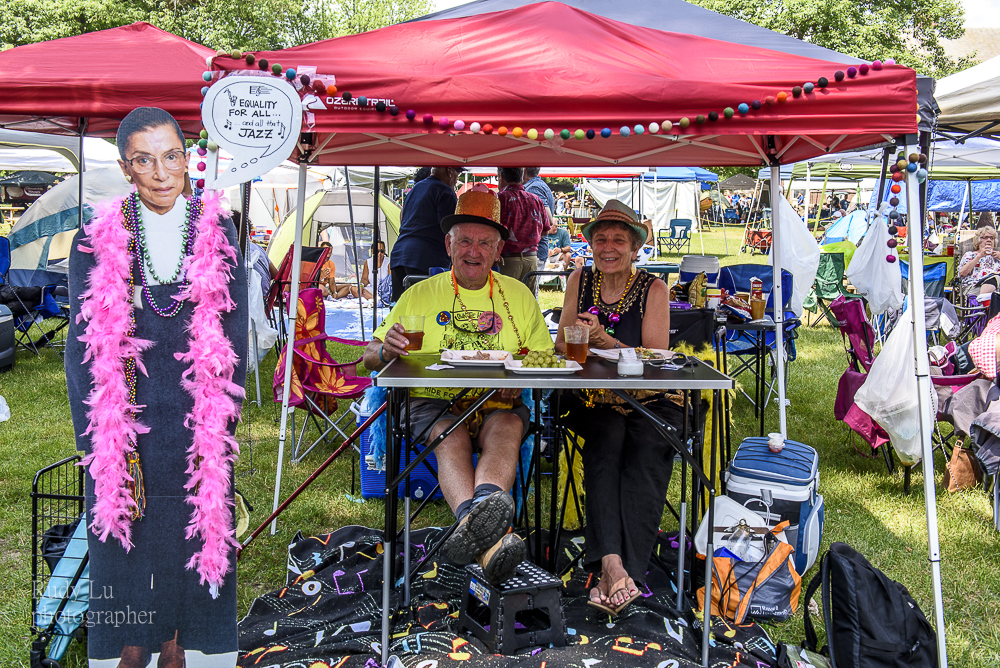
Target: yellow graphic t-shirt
(471, 321)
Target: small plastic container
(629, 367)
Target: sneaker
(500, 562)
(481, 529)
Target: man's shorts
(424, 413)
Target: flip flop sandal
(620, 585)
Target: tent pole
(805, 218)
(293, 309)
(969, 183)
(697, 215)
(243, 234)
(376, 237)
(354, 243)
(722, 223)
(881, 177)
(822, 196)
(914, 239)
(961, 211)
(81, 169)
(779, 302)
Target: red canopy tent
(101, 76)
(575, 70)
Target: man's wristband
(384, 360)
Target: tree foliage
(219, 24)
(908, 30)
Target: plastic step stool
(531, 590)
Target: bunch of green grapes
(543, 359)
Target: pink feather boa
(107, 308)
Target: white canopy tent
(53, 153)
(660, 201)
(970, 102)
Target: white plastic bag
(799, 253)
(889, 394)
(4, 410)
(872, 276)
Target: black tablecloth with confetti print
(328, 615)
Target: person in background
(561, 204)
(328, 280)
(420, 244)
(526, 218)
(560, 249)
(536, 186)
(470, 308)
(369, 286)
(421, 174)
(981, 266)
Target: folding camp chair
(751, 347)
(313, 260)
(28, 305)
(859, 342)
(730, 217)
(318, 380)
(678, 238)
(828, 286)
(935, 276)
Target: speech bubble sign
(257, 119)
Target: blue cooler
(422, 481)
(8, 347)
(781, 486)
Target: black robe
(152, 578)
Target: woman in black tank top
(627, 464)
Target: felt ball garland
(666, 126)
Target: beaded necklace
(503, 297)
(612, 311)
(138, 247)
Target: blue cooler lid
(796, 464)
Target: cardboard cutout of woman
(155, 368)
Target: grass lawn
(865, 506)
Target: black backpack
(871, 621)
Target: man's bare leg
(500, 440)
(455, 471)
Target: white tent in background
(53, 153)
(40, 240)
(660, 201)
(970, 101)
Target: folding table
(405, 373)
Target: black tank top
(631, 308)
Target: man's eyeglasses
(483, 326)
(172, 161)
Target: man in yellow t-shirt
(471, 308)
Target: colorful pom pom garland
(443, 124)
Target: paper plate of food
(475, 357)
(542, 363)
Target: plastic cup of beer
(757, 309)
(413, 328)
(577, 346)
